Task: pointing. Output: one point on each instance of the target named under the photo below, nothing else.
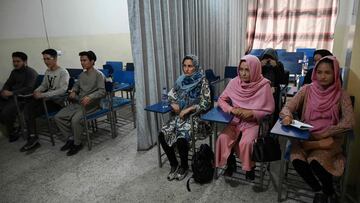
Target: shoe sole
(33, 149)
(27, 148)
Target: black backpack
(202, 165)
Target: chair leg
(50, 131)
(88, 135)
(133, 107)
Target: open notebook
(301, 125)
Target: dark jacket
(274, 74)
(21, 81)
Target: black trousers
(183, 149)
(8, 113)
(309, 171)
(35, 109)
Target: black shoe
(74, 149)
(33, 149)
(173, 173)
(32, 141)
(320, 198)
(67, 145)
(231, 166)
(181, 173)
(250, 175)
(13, 138)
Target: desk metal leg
(215, 138)
(281, 175)
(157, 140)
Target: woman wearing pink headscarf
(249, 98)
(324, 105)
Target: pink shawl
(322, 107)
(254, 95)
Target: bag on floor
(202, 165)
(266, 149)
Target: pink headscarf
(254, 95)
(322, 107)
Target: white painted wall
(73, 26)
(23, 18)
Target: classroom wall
(72, 26)
(353, 89)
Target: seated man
(87, 92)
(55, 83)
(21, 81)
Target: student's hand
(246, 114)
(287, 120)
(263, 62)
(72, 95)
(235, 111)
(85, 101)
(37, 95)
(186, 111)
(273, 63)
(6, 93)
(175, 107)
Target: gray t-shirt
(54, 83)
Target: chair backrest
(230, 72)
(74, 72)
(130, 67)
(292, 61)
(116, 65)
(256, 52)
(109, 68)
(279, 51)
(126, 77)
(309, 52)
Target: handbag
(266, 149)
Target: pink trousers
(243, 149)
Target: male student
(21, 81)
(55, 83)
(86, 93)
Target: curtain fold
(164, 31)
(291, 24)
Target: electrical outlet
(59, 52)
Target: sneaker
(172, 174)
(32, 141)
(250, 175)
(74, 149)
(181, 173)
(67, 145)
(320, 198)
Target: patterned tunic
(181, 128)
(331, 159)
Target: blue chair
(74, 72)
(130, 67)
(292, 62)
(309, 53)
(280, 51)
(256, 52)
(229, 73)
(104, 110)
